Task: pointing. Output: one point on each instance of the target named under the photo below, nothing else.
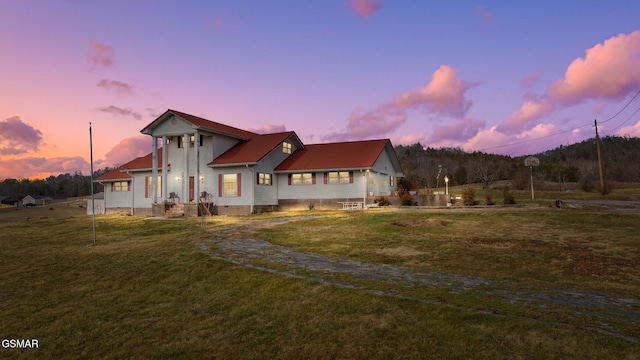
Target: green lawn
(146, 290)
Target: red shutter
(271, 180)
(146, 186)
(350, 177)
(128, 185)
(313, 178)
(219, 185)
(326, 178)
(239, 184)
(257, 178)
(113, 187)
(289, 179)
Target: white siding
(320, 190)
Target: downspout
(252, 187)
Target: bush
(507, 197)
(406, 199)
(489, 200)
(382, 201)
(469, 196)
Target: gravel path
(236, 244)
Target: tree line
(425, 167)
(64, 185)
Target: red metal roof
(253, 150)
(203, 123)
(141, 163)
(344, 155)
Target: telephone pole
(595, 123)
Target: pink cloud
(374, 123)
(100, 54)
(269, 129)
(444, 94)
(610, 70)
(17, 137)
(485, 15)
(455, 132)
(408, 139)
(218, 20)
(530, 110)
(365, 8)
(633, 130)
(118, 86)
(111, 109)
(40, 167)
(127, 150)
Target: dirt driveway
(237, 244)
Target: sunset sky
(502, 77)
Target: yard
(149, 290)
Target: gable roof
(343, 155)
(201, 123)
(139, 164)
(252, 151)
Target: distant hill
(425, 167)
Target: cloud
(111, 109)
(455, 132)
(610, 70)
(373, 123)
(269, 129)
(484, 15)
(17, 137)
(364, 8)
(218, 20)
(118, 86)
(408, 139)
(530, 110)
(633, 130)
(444, 94)
(100, 55)
(127, 150)
(40, 167)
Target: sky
(515, 78)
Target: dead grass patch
(402, 251)
(420, 222)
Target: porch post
(196, 177)
(185, 176)
(154, 170)
(165, 162)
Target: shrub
(507, 197)
(382, 201)
(406, 199)
(489, 200)
(312, 206)
(469, 196)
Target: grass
(147, 291)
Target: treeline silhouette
(426, 167)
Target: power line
(570, 130)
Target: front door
(191, 188)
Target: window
(148, 191)
(302, 179)
(192, 140)
(120, 186)
(372, 181)
(264, 179)
(339, 177)
(383, 182)
(230, 185)
(286, 147)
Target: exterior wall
(98, 206)
(247, 179)
(117, 199)
(320, 190)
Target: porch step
(177, 210)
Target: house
(201, 166)
(8, 201)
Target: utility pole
(595, 123)
(93, 199)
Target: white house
(200, 166)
